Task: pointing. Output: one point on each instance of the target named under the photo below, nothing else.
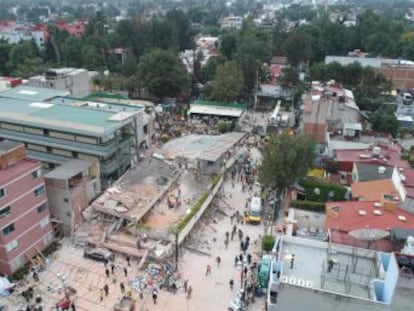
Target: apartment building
(24, 213)
(55, 132)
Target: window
(45, 132)
(2, 192)
(42, 207)
(39, 190)
(36, 174)
(4, 211)
(12, 245)
(9, 229)
(49, 149)
(75, 154)
(44, 222)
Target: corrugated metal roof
(216, 111)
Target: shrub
(310, 184)
(164, 138)
(223, 127)
(267, 243)
(216, 179)
(309, 205)
(181, 225)
(20, 273)
(53, 247)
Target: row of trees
(246, 50)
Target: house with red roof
(344, 217)
(76, 28)
(385, 155)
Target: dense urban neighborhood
(206, 155)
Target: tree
(289, 77)
(228, 44)
(30, 67)
(228, 82)
(298, 48)
(4, 57)
(384, 120)
(162, 73)
(285, 159)
(25, 60)
(182, 30)
(72, 52)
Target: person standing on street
(106, 289)
(189, 292)
(218, 260)
(154, 296)
(208, 270)
(231, 283)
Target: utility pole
(256, 88)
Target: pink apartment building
(25, 227)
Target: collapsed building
(135, 216)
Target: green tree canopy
(384, 120)
(228, 82)
(162, 73)
(285, 159)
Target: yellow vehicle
(254, 215)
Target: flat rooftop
(216, 111)
(7, 145)
(114, 106)
(137, 191)
(201, 147)
(352, 273)
(31, 93)
(72, 119)
(69, 169)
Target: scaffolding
(350, 274)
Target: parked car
(98, 254)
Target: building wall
(77, 84)
(402, 76)
(295, 298)
(12, 157)
(60, 204)
(53, 149)
(67, 204)
(31, 227)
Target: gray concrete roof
(6, 145)
(369, 172)
(201, 147)
(69, 169)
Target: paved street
(212, 292)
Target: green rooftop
(61, 117)
(31, 93)
(220, 104)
